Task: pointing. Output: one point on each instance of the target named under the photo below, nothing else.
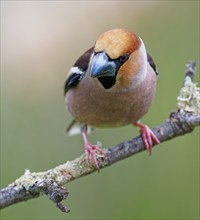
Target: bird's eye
(122, 59)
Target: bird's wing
(78, 71)
(151, 63)
(75, 75)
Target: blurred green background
(40, 40)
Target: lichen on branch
(189, 98)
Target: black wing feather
(72, 81)
(152, 64)
(82, 64)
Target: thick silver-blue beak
(102, 66)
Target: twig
(31, 185)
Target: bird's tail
(74, 128)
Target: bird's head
(119, 59)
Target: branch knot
(54, 192)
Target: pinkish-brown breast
(91, 104)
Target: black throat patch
(107, 81)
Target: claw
(148, 136)
(90, 150)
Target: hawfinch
(112, 84)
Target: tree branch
(31, 185)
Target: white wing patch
(72, 70)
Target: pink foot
(90, 149)
(148, 136)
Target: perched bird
(112, 84)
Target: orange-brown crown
(117, 42)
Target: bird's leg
(90, 148)
(147, 135)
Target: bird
(111, 85)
